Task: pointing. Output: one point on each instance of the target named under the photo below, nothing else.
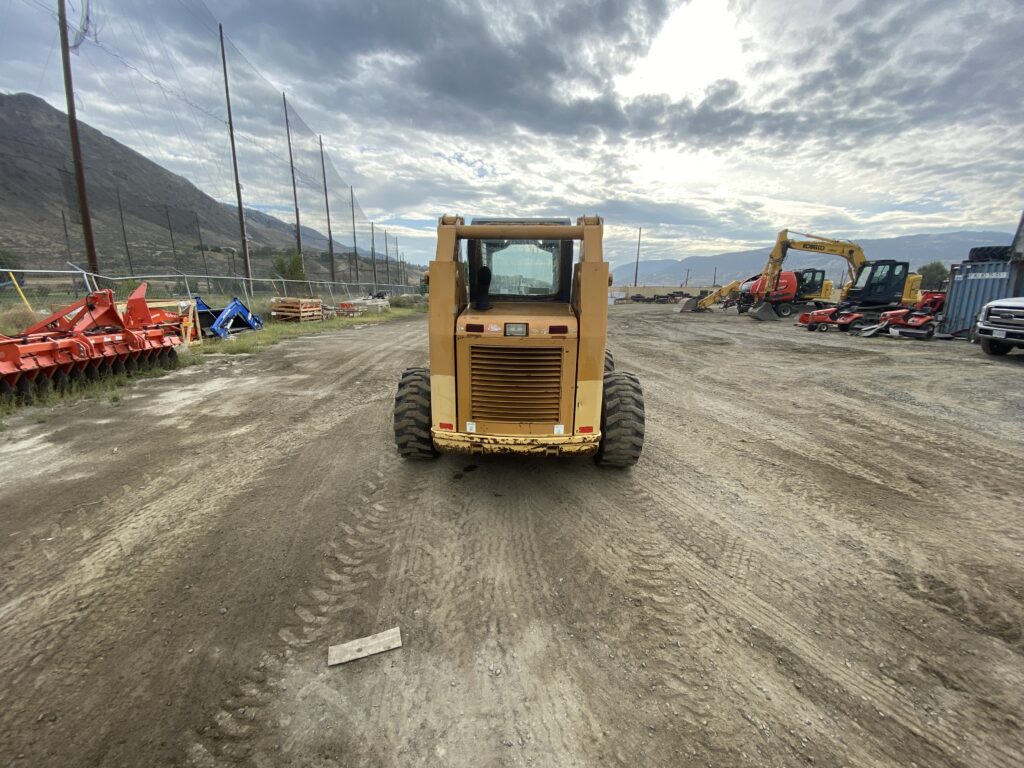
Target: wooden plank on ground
(387, 640)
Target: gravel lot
(819, 560)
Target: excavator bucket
(688, 305)
(763, 311)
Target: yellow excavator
(775, 293)
(774, 299)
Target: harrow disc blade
(25, 390)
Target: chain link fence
(33, 294)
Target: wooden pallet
(296, 310)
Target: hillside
(37, 185)
(948, 248)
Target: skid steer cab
(517, 328)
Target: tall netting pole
(387, 259)
(327, 208)
(124, 233)
(295, 191)
(234, 162)
(76, 148)
(373, 256)
(355, 246)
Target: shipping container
(972, 285)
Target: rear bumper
(544, 445)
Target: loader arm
(717, 295)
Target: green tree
(933, 275)
(289, 266)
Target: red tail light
(446, 425)
(558, 329)
(474, 328)
(586, 430)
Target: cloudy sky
(709, 123)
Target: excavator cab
(880, 283)
(810, 283)
(518, 365)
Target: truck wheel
(993, 347)
(784, 310)
(609, 362)
(412, 415)
(622, 421)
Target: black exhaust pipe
(483, 287)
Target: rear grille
(516, 383)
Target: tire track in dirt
(132, 546)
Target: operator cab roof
(500, 220)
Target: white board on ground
(387, 640)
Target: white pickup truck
(1000, 326)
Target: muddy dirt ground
(818, 561)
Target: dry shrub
(14, 320)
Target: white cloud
(699, 44)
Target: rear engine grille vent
(516, 383)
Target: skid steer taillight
(446, 425)
(555, 329)
(586, 430)
(474, 328)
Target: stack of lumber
(296, 310)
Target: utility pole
(327, 207)
(636, 269)
(295, 191)
(202, 250)
(355, 247)
(76, 148)
(687, 281)
(373, 256)
(234, 163)
(124, 233)
(387, 259)
(714, 280)
(170, 230)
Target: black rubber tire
(823, 328)
(990, 253)
(928, 330)
(784, 309)
(412, 415)
(609, 361)
(622, 421)
(994, 348)
(812, 326)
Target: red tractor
(917, 322)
